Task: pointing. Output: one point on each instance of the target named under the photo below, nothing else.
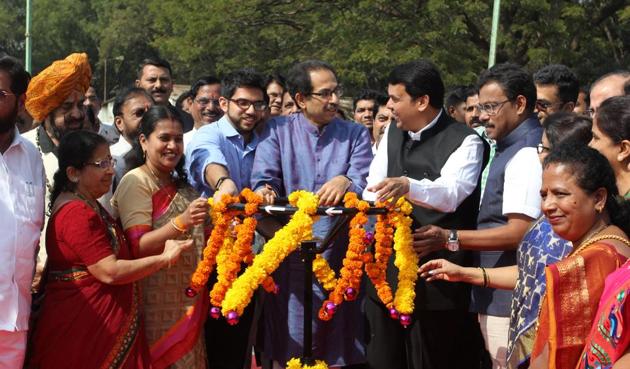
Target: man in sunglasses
(204, 108)
(557, 89)
(316, 151)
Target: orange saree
(574, 287)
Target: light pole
(495, 30)
(27, 35)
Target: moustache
(161, 90)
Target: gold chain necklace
(600, 238)
(109, 226)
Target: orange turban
(52, 86)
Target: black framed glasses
(245, 104)
(327, 94)
(108, 162)
(540, 148)
(491, 108)
(205, 101)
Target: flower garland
(347, 287)
(376, 267)
(285, 241)
(222, 219)
(324, 273)
(406, 261)
(297, 364)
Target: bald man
(606, 86)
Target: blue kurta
(294, 155)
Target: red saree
(574, 287)
(85, 323)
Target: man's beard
(7, 122)
(59, 133)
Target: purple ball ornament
(276, 289)
(393, 313)
(215, 312)
(351, 294)
(369, 238)
(331, 307)
(190, 292)
(232, 318)
(405, 320)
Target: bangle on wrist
(220, 182)
(178, 224)
(485, 277)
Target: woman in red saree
(155, 203)
(91, 313)
(581, 201)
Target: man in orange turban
(54, 98)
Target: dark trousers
(434, 340)
(229, 346)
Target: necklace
(600, 238)
(156, 178)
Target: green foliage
(363, 39)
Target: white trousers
(12, 349)
(495, 331)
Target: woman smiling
(155, 203)
(581, 202)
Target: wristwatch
(453, 241)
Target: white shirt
(458, 177)
(22, 188)
(188, 137)
(521, 186)
(109, 132)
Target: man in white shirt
(435, 162)
(205, 107)
(511, 198)
(22, 213)
(129, 108)
(55, 98)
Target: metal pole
(495, 30)
(27, 34)
(104, 80)
(308, 254)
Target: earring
(599, 209)
(74, 180)
(144, 155)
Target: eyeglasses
(491, 108)
(245, 104)
(204, 102)
(540, 148)
(327, 94)
(4, 94)
(545, 105)
(104, 164)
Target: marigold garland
(406, 261)
(297, 364)
(376, 267)
(285, 241)
(347, 287)
(221, 219)
(324, 273)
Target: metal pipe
(495, 30)
(27, 35)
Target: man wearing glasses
(511, 198)
(219, 159)
(314, 151)
(557, 89)
(205, 107)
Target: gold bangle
(485, 277)
(179, 228)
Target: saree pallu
(610, 335)
(574, 287)
(174, 322)
(540, 247)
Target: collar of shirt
(18, 140)
(526, 125)
(45, 143)
(310, 127)
(417, 135)
(227, 129)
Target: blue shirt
(220, 143)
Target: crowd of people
(519, 186)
